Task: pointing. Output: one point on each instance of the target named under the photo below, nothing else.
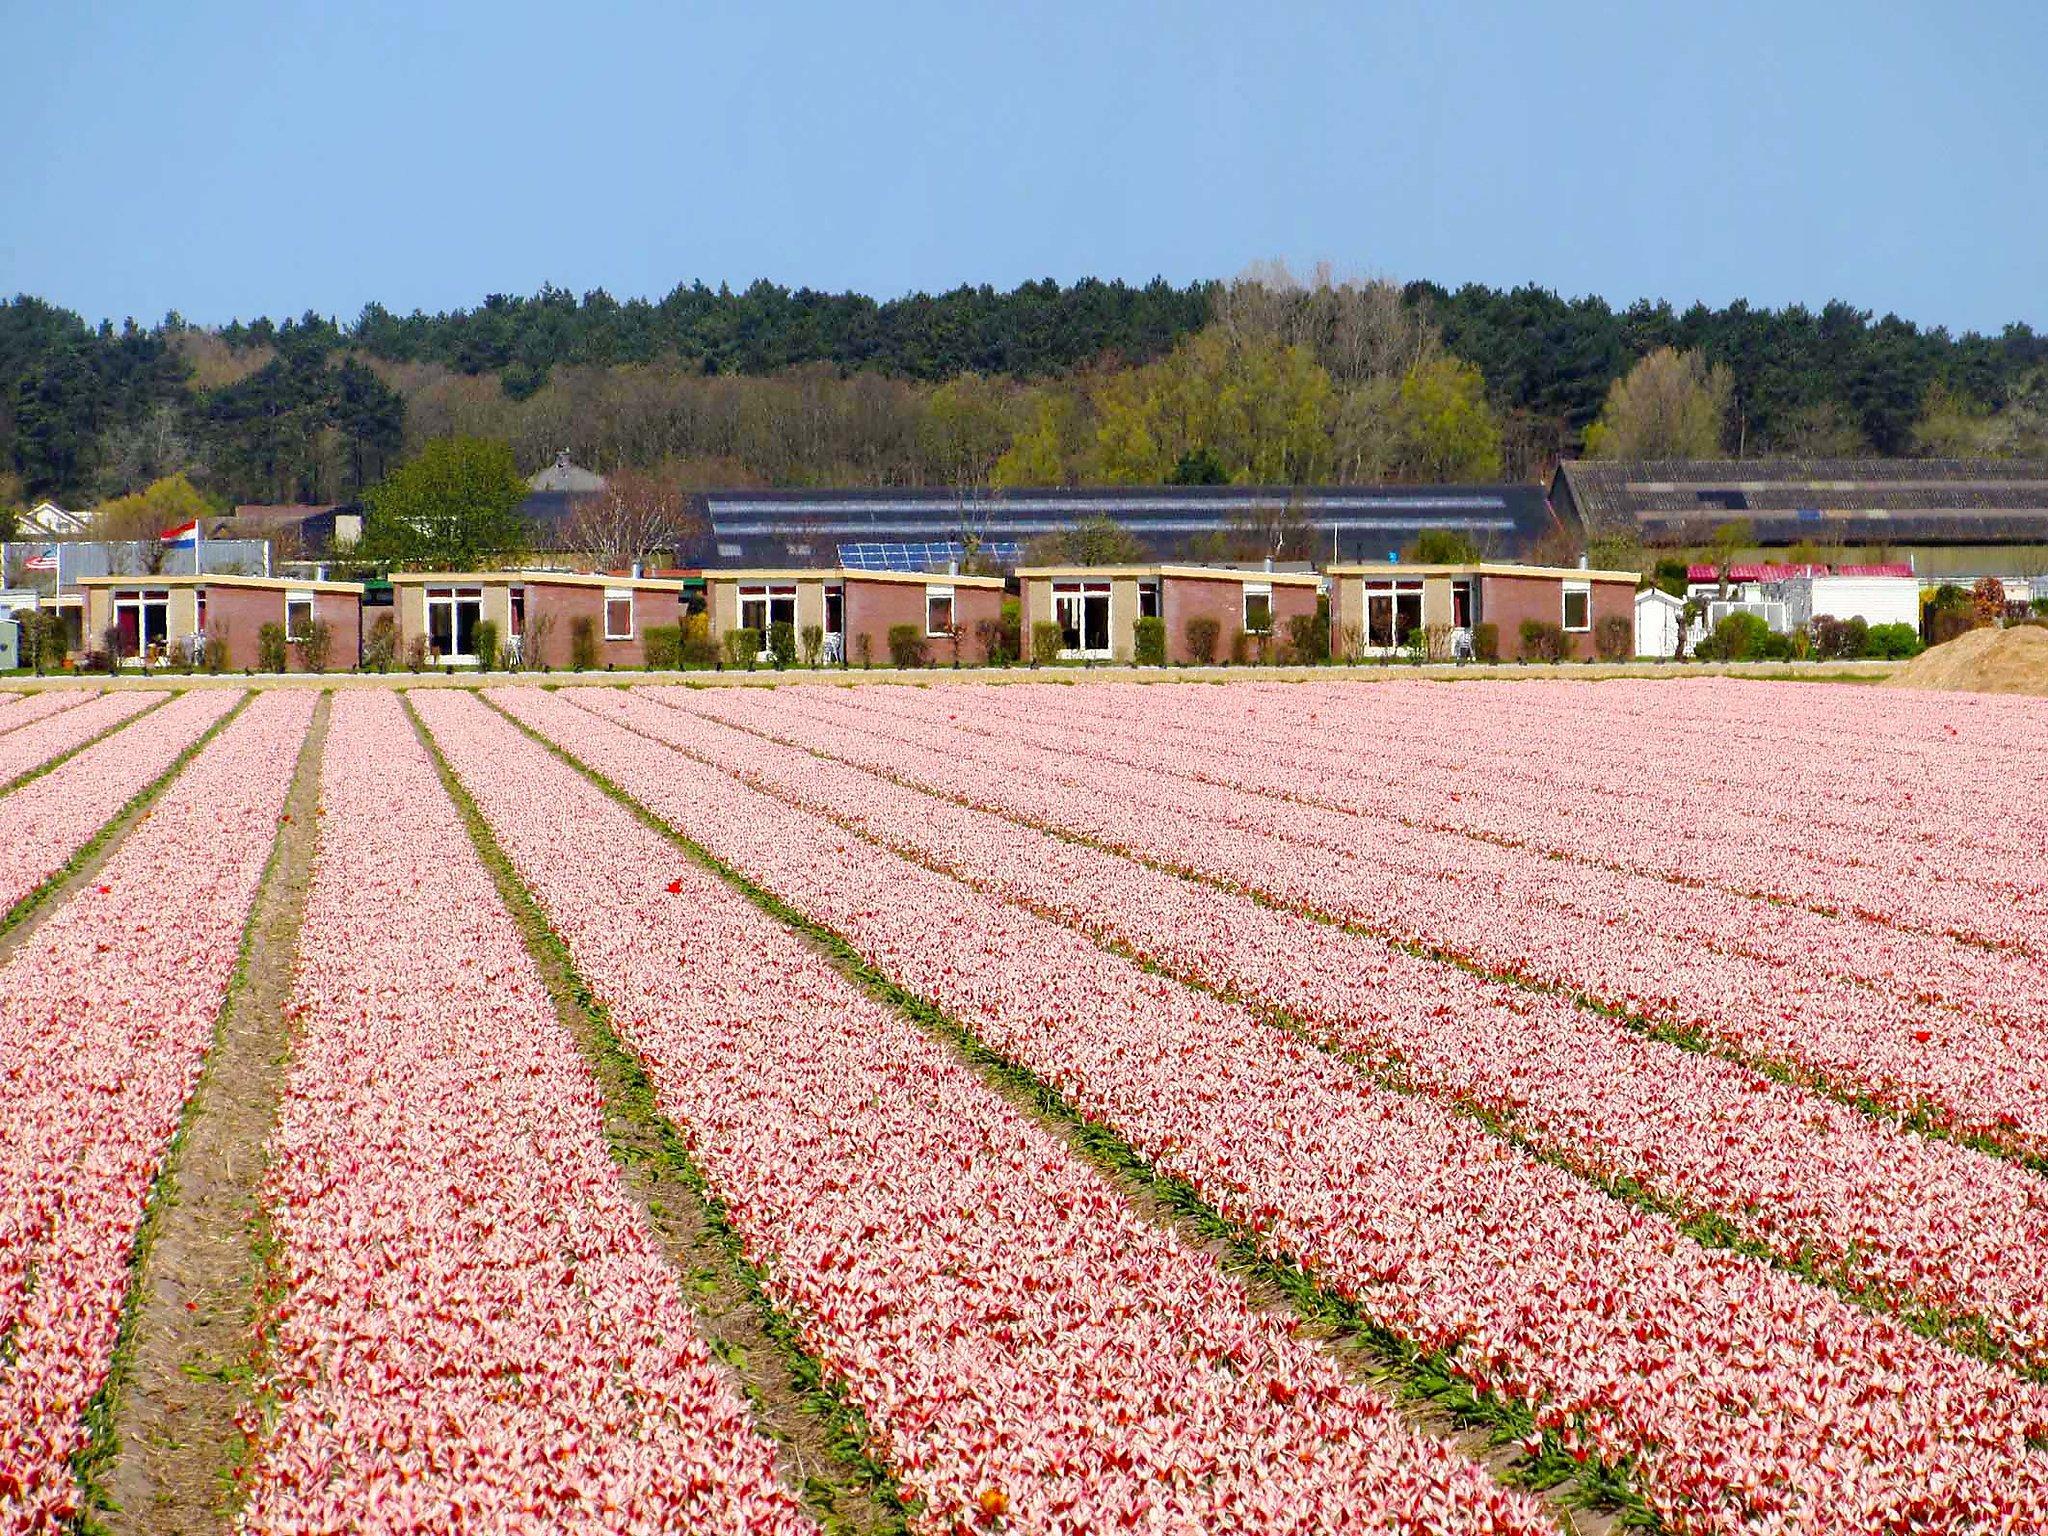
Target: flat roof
(1178, 572)
(1485, 568)
(253, 583)
(530, 578)
(842, 573)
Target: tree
(1091, 541)
(640, 514)
(142, 517)
(1441, 546)
(1951, 425)
(966, 429)
(1671, 405)
(455, 506)
(1730, 539)
(1255, 406)
(1443, 427)
(1824, 430)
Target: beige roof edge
(1484, 568)
(1185, 572)
(523, 577)
(841, 573)
(255, 583)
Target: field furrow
(1031, 1355)
(1732, 1392)
(107, 1010)
(1918, 1223)
(1966, 1075)
(475, 1329)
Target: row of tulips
(1030, 1355)
(1925, 1222)
(1740, 1398)
(107, 1010)
(1549, 925)
(477, 1330)
(19, 709)
(1415, 758)
(1272, 787)
(45, 822)
(53, 734)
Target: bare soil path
(187, 1371)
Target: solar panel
(931, 555)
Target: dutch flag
(184, 536)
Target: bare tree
(641, 513)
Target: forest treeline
(1270, 377)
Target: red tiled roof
(1788, 572)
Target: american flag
(46, 560)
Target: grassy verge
(1418, 1376)
(862, 1495)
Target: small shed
(1097, 607)
(538, 615)
(1659, 623)
(1376, 610)
(162, 619)
(853, 611)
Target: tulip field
(1490, 1107)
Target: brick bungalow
(1098, 607)
(536, 613)
(158, 618)
(857, 609)
(1374, 608)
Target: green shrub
(1543, 641)
(782, 645)
(270, 648)
(1046, 642)
(662, 647)
(483, 644)
(416, 653)
(1614, 637)
(742, 646)
(1486, 642)
(1892, 642)
(1242, 645)
(1840, 639)
(582, 642)
(314, 645)
(380, 645)
(906, 645)
(1201, 634)
(1308, 635)
(998, 637)
(1417, 645)
(1149, 642)
(813, 637)
(698, 649)
(1738, 637)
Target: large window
(298, 615)
(1081, 609)
(761, 606)
(938, 610)
(142, 621)
(1393, 611)
(453, 614)
(618, 613)
(1578, 606)
(1258, 608)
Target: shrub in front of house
(697, 648)
(1046, 642)
(742, 646)
(270, 648)
(483, 644)
(782, 645)
(583, 642)
(1148, 642)
(315, 645)
(906, 645)
(1201, 634)
(1544, 641)
(1892, 642)
(812, 637)
(1615, 637)
(1308, 636)
(380, 646)
(1486, 642)
(662, 646)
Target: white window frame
(1079, 593)
(298, 600)
(143, 600)
(453, 599)
(1254, 589)
(1392, 591)
(934, 595)
(1566, 593)
(619, 595)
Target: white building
(1659, 622)
(1888, 598)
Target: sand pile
(1982, 661)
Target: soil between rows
(193, 1317)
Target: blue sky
(228, 159)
